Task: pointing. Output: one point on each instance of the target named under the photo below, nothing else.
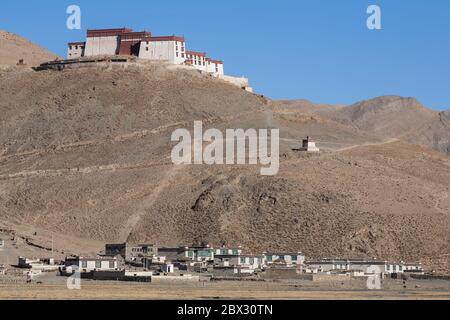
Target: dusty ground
(228, 290)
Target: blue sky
(320, 50)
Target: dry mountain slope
(386, 117)
(91, 159)
(13, 48)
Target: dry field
(222, 290)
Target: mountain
(14, 48)
(85, 159)
(387, 117)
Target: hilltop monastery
(124, 41)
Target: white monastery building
(124, 41)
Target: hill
(90, 159)
(387, 117)
(13, 48)
(85, 159)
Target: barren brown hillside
(85, 154)
(385, 117)
(13, 48)
(91, 159)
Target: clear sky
(320, 50)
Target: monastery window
(98, 264)
(84, 264)
(177, 54)
(294, 258)
(111, 265)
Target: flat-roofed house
(251, 261)
(288, 259)
(234, 257)
(131, 252)
(85, 265)
(198, 254)
(227, 257)
(371, 266)
(413, 268)
(28, 263)
(187, 254)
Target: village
(195, 263)
(203, 262)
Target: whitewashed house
(188, 254)
(85, 265)
(292, 259)
(360, 265)
(234, 257)
(413, 268)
